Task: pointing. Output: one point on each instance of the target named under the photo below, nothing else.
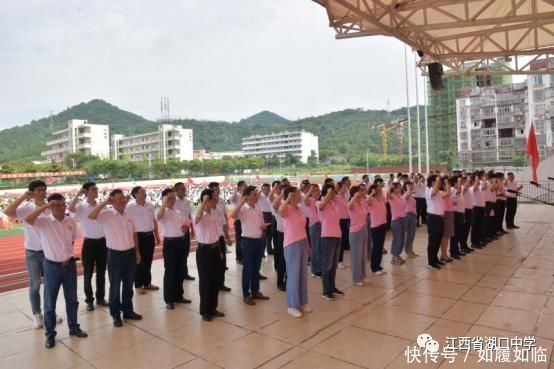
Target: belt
(34, 251)
(122, 251)
(62, 263)
(173, 238)
(149, 233)
(208, 245)
(435, 215)
(95, 239)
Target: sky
(214, 59)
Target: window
(539, 109)
(538, 95)
(537, 80)
(488, 144)
(505, 132)
(506, 109)
(506, 143)
(487, 111)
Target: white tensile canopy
(452, 32)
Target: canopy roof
(452, 32)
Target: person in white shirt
(143, 215)
(500, 208)
(224, 238)
(34, 256)
(209, 257)
(173, 227)
(253, 227)
(421, 204)
(265, 205)
(478, 212)
(511, 200)
(182, 204)
(123, 254)
(58, 233)
(435, 218)
(235, 200)
(94, 252)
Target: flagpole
(410, 165)
(426, 126)
(418, 122)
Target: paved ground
(504, 290)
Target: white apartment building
(300, 144)
(541, 104)
(79, 137)
(170, 142)
(216, 155)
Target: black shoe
(446, 260)
(132, 316)
(336, 291)
(189, 278)
(102, 303)
(207, 318)
(169, 306)
(90, 306)
(182, 300)
(248, 300)
(329, 296)
(281, 287)
(440, 262)
(462, 253)
(78, 332)
(225, 289)
(50, 342)
(117, 323)
(455, 256)
(515, 227)
(218, 314)
(477, 246)
(434, 267)
(263, 277)
(260, 296)
(270, 252)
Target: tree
(312, 159)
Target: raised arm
(11, 210)
(35, 214)
(96, 211)
(75, 200)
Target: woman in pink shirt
(314, 228)
(378, 214)
(448, 230)
(341, 200)
(330, 240)
(296, 248)
(411, 219)
(398, 226)
(358, 234)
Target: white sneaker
(306, 309)
(59, 319)
(38, 321)
(294, 312)
(361, 283)
(342, 266)
(379, 272)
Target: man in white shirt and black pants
(123, 254)
(143, 215)
(182, 205)
(58, 232)
(265, 205)
(94, 252)
(173, 227)
(223, 228)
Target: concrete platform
(503, 290)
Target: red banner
(44, 174)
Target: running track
(13, 272)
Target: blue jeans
(56, 275)
(330, 248)
(411, 222)
(315, 241)
(34, 260)
(296, 257)
(122, 266)
(252, 252)
(398, 228)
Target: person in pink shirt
(314, 228)
(358, 234)
(398, 226)
(411, 219)
(330, 240)
(342, 198)
(296, 249)
(378, 214)
(448, 230)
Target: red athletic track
(13, 272)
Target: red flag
(190, 181)
(532, 151)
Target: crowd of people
(306, 229)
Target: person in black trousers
(265, 204)
(209, 258)
(511, 201)
(224, 238)
(500, 209)
(277, 194)
(421, 204)
(173, 226)
(478, 212)
(435, 219)
(235, 200)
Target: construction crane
(387, 127)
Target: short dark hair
(274, 183)
(55, 197)
(365, 176)
(431, 179)
(213, 185)
(354, 190)
(178, 184)
(117, 191)
(88, 185)
(345, 178)
(289, 190)
(166, 191)
(265, 185)
(135, 190)
(326, 188)
(328, 180)
(372, 187)
(378, 180)
(206, 191)
(36, 184)
(240, 183)
(248, 190)
(405, 187)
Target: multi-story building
(491, 125)
(79, 137)
(168, 143)
(541, 104)
(300, 144)
(216, 155)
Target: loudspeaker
(435, 75)
(483, 81)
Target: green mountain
(346, 134)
